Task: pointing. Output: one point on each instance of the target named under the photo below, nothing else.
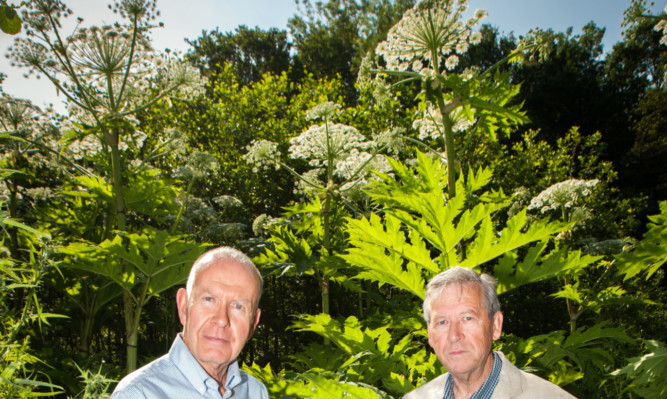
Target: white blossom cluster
(175, 142)
(5, 194)
(324, 111)
(86, 147)
(430, 125)
(15, 112)
(349, 158)
(359, 163)
(331, 149)
(328, 141)
(430, 36)
(263, 155)
(263, 223)
(40, 193)
(198, 164)
(35, 127)
(309, 182)
(391, 140)
(566, 194)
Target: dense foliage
(387, 142)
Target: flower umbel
(263, 154)
(326, 141)
(432, 32)
(566, 194)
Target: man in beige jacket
(463, 317)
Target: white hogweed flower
(566, 194)
(431, 29)
(452, 62)
(391, 140)
(321, 143)
(199, 164)
(325, 111)
(358, 164)
(263, 155)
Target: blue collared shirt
(178, 375)
(486, 390)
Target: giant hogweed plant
(425, 47)
(109, 74)
(339, 159)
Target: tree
(251, 53)
(646, 159)
(566, 90)
(636, 71)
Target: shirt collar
(487, 388)
(186, 363)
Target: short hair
(221, 255)
(461, 275)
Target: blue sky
(188, 18)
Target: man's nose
(221, 317)
(455, 333)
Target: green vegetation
(352, 166)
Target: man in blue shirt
(219, 312)
(463, 318)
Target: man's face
(220, 315)
(460, 332)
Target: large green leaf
(153, 257)
(651, 252)
(648, 372)
(94, 259)
(381, 250)
(10, 22)
(490, 244)
(537, 265)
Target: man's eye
(442, 322)
(238, 306)
(467, 318)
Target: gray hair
(221, 255)
(461, 275)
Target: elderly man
(219, 312)
(463, 318)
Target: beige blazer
(513, 383)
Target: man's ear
(497, 325)
(258, 312)
(182, 305)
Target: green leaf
(17, 224)
(288, 248)
(651, 252)
(537, 266)
(10, 22)
(381, 251)
(490, 244)
(92, 258)
(648, 372)
(325, 388)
